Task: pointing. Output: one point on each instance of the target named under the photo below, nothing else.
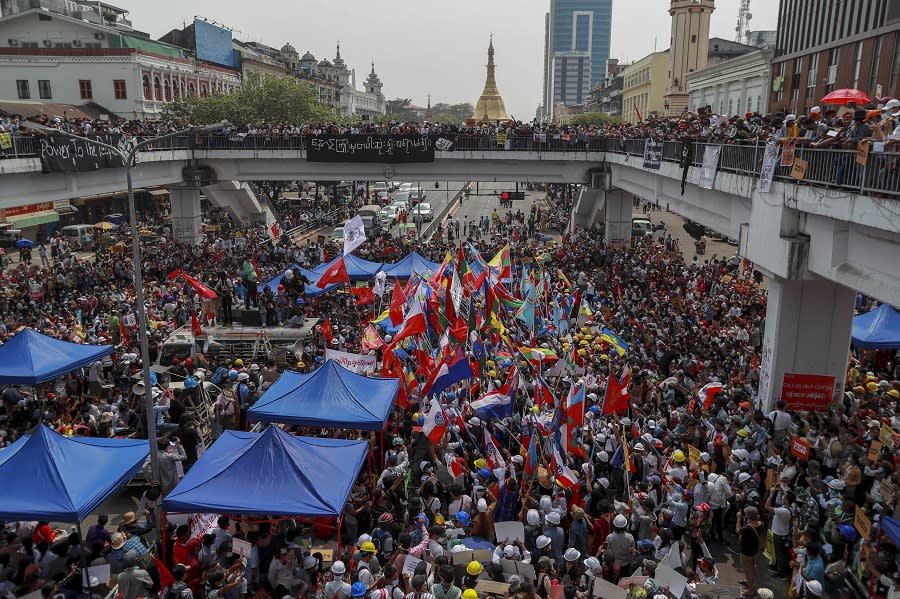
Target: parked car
(388, 215)
(9, 235)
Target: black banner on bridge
(370, 148)
(61, 154)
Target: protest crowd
(572, 418)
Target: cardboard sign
(862, 153)
(787, 154)
(874, 451)
(607, 590)
(667, 578)
(326, 553)
(807, 391)
(800, 448)
(489, 587)
(693, 455)
(242, 548)
(862, 524)
(886, 436)
(509, 531)
(464, 557)
(101, 572)
(798, 171)
(409, 566)
(771, 478)
(520, 569)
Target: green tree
(261, 99)
(452, 113)
(399, 110)
(595, 118)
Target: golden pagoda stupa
(490, 107)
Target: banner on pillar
(369, 148)
(61, 154)
(710, 164)
(808, 392)
(653, 151)
(770, 160)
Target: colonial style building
(79, 51)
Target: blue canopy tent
(412, 264)
(311, 290)
(358, 269)
(272, 473)
(46, 476)
(330, 397)
(30, 358)
(878, 329)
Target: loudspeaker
(248, 318)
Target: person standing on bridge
(225, 288)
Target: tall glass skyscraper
(576, 48)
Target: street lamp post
(140, 308)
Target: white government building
(734, 86)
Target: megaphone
(138, 389)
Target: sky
(435, 47)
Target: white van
(79, 237)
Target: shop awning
(158, 192)
(33, 219)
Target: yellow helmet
(474, 569)
(415, 417)
(300, 365)
(470, 594)
(894, 393)
(368, 547)
(239, 362)
(480, 463)
(678, 455)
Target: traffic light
(504, 196)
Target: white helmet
(533, 517)
(604, 457)
(814, 587)
(620, 521)
(338, 568)
(542, 541)
(743, 477)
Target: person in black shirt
(749, 542)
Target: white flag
(354, 234)
(456, 291)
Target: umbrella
(105, 225)
(24, 243)
(843, 96)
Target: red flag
(196, 329)
(202, 290)
(337, 273)
(398, 300)
(459, 330)
(165, 577)
(413, 324)
(364, 295)
(325, 329)
(614, 397)
(275, 230)
(402, 395)
(123, 332)
(173, 275)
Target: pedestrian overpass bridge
(820, 235)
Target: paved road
(482, 201)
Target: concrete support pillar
(618, 217)
(807, 331)
(186, 221)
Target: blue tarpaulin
(358, 269)
(412, 264)
(46, 476)
(311, 289)
(272, 473)
(878, 329)
(30, 358)
(330, 397)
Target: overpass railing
(826, 167)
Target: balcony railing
(829, 168)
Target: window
(857, 65)
(24, 91)
(44, 89)
(812, 76)
(147, 92)
(119, 90)
(62, 45)
(876, 59)
(895, 66)
(84, 86)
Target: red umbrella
(843, 96)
